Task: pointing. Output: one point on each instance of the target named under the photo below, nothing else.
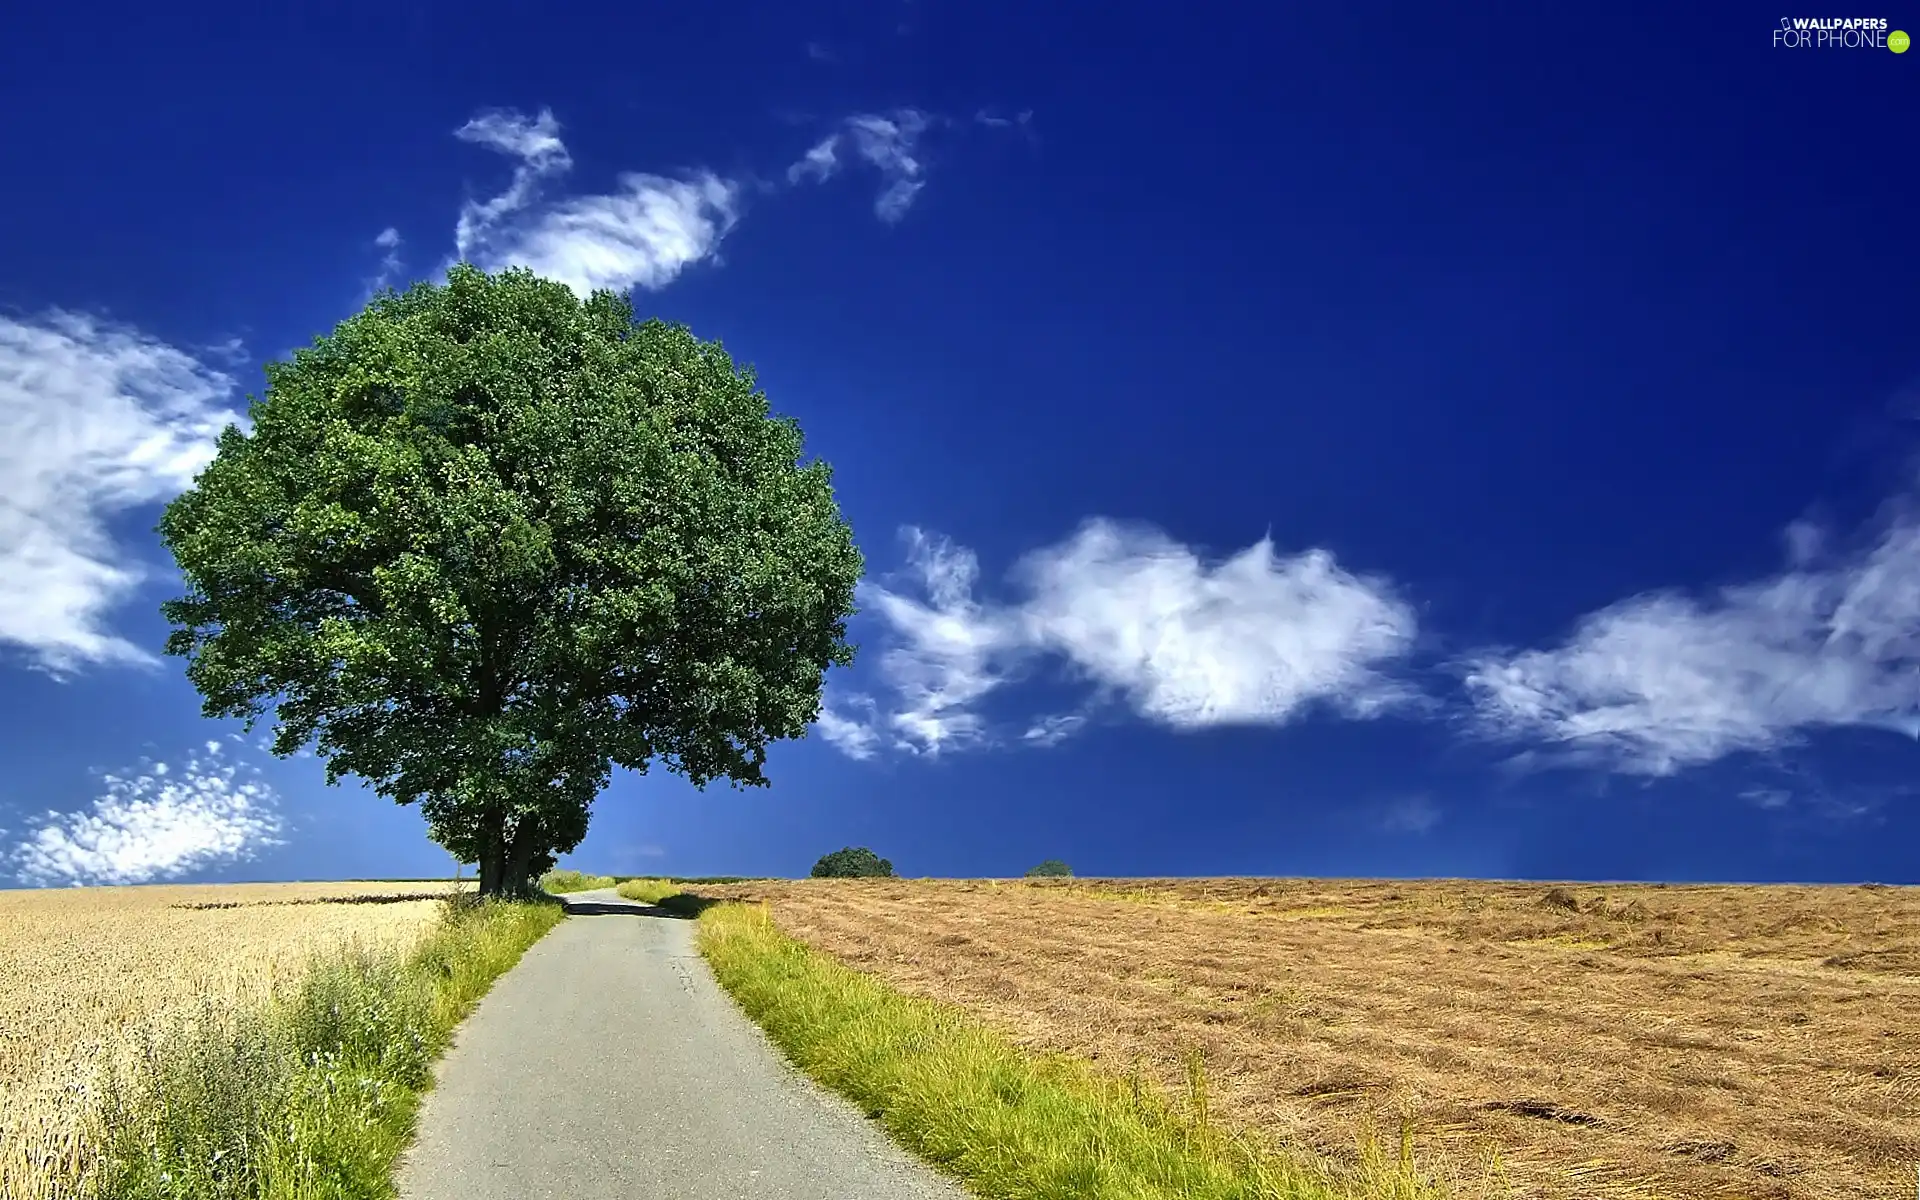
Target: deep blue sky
(1566, 364)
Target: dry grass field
(83, 970)
(1609, 1041)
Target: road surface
(608, 1065)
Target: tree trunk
(493, 855)
(517, 878)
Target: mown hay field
(1607, 1041)
(84, 972)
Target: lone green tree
(1050, 868)
(853, 862)
(486, 541)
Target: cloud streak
(651, 228)
(887, 142)
(1409, 815)
(157, 824)
(1661, 682)
(1145, 622)
(388, 243)
(642, 234)
(95, 419)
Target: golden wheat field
(84, 970)
(1609, 1041)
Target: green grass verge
(558, 883)
(1012, 1125)
(664, 893)
(697, 878)
(648, 891)
(313, 1095)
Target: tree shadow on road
(682, 906)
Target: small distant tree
(854, 862)
(1051, 867)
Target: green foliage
(696, 878)
(648, 891)
(485, 541)
(1051, 868)
(853, 862)
(559, 883)
(313, 1094)
(665, 894)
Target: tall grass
(648, 891)
(665, 894)
(558, 883)
(312, 1095)
(1012, 1125)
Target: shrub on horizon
(852, 862)
(1052, 868)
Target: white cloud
(535, 141)
(158, 824)
(889, 143)
(949, 651)
(1804, 541)
(1251, 640)
(388, 242)
(819, 163)
(232, 351)
(641, 235)
(1662, 682)
(855, 737)
(893, 203)
(95, 420)
(1051, 731)
(994, 121)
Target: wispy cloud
(1051, 731)
(1253, 639)
(95, 419)
(1661, 682)
(388, 242)
(651, 227)
(994, 121)
(888, 142)
(535, 142)
(159, 823)
(819, 163)
(1409, 815)
(950, 650)
(856, 736)
(643, 234)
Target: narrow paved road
(608, 1065)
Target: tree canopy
(853, 862)
(486, 541)
(1051, 867)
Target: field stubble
(1607, 1041)
(89, 971)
